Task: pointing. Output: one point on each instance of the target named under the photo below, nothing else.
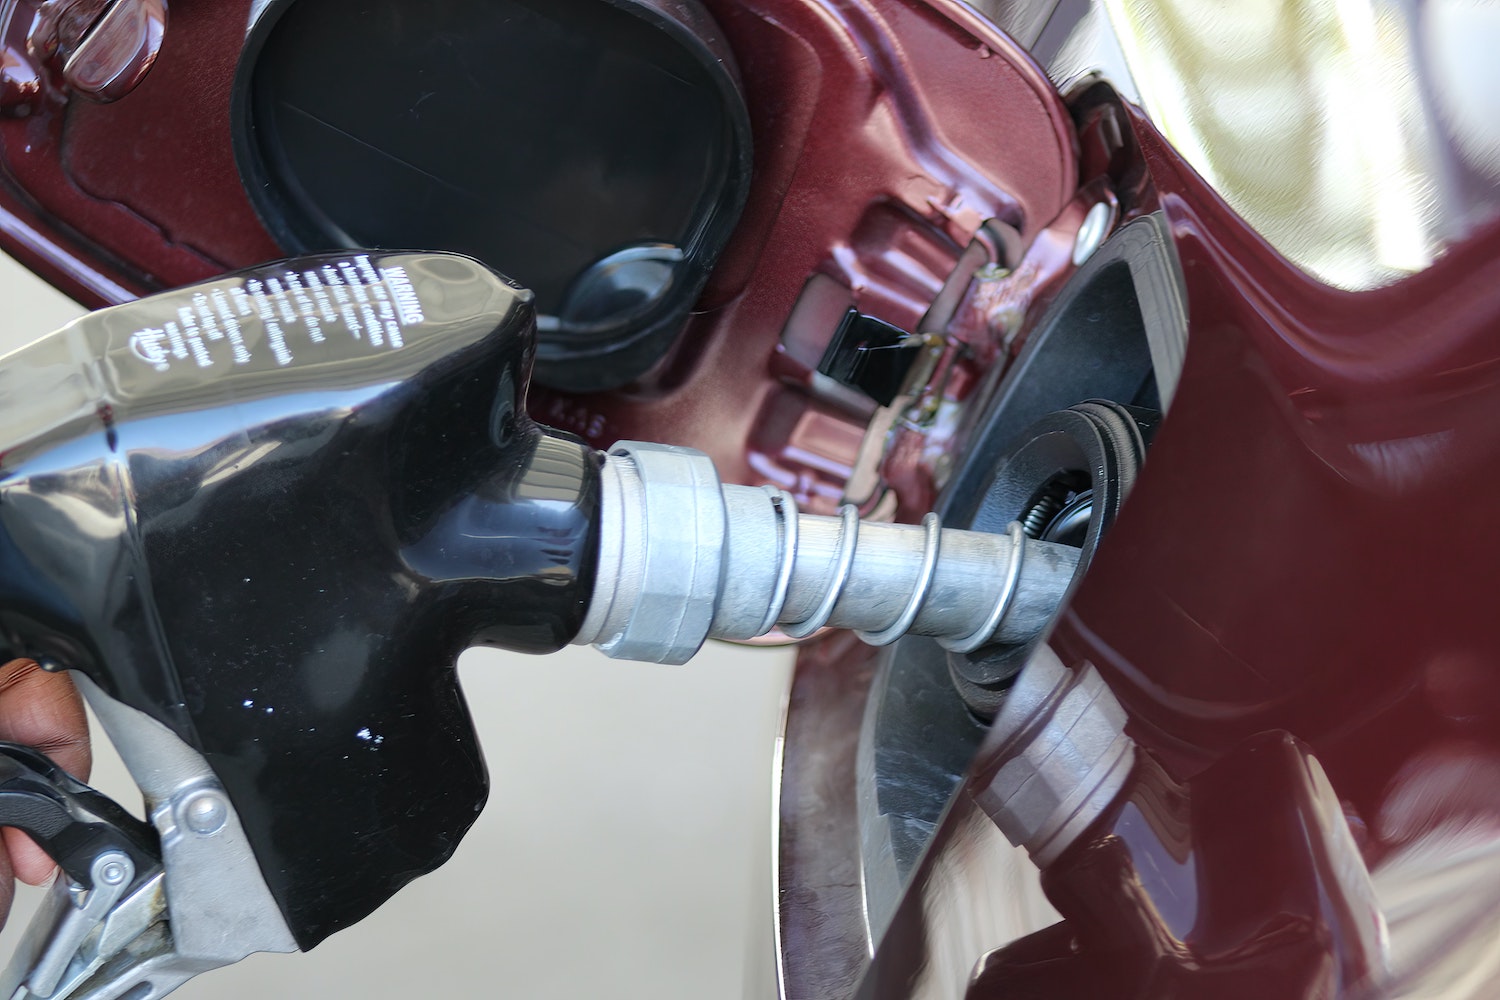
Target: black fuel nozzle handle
(69, 820)
(268, 511)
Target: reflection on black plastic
(270, 510)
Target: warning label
(293, 311)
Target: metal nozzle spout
(684, 558)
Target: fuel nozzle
(263, 515)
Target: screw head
(1091, 234)
(205, 813)
(112, 873)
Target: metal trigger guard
(141, 907)
(106, 856)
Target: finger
(31, 863)
(7, 887)
(41, 710)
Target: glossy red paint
(1135, 891)
(1311, 549)
(1280, 568)
(20, 78)
(110, 201)
(1332, 448)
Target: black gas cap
(596, 150)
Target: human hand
(41, 710)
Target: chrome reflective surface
(1352, 135)
(1360, 138)
(117, 52)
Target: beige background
(625, 849)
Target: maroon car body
(1294, 606)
